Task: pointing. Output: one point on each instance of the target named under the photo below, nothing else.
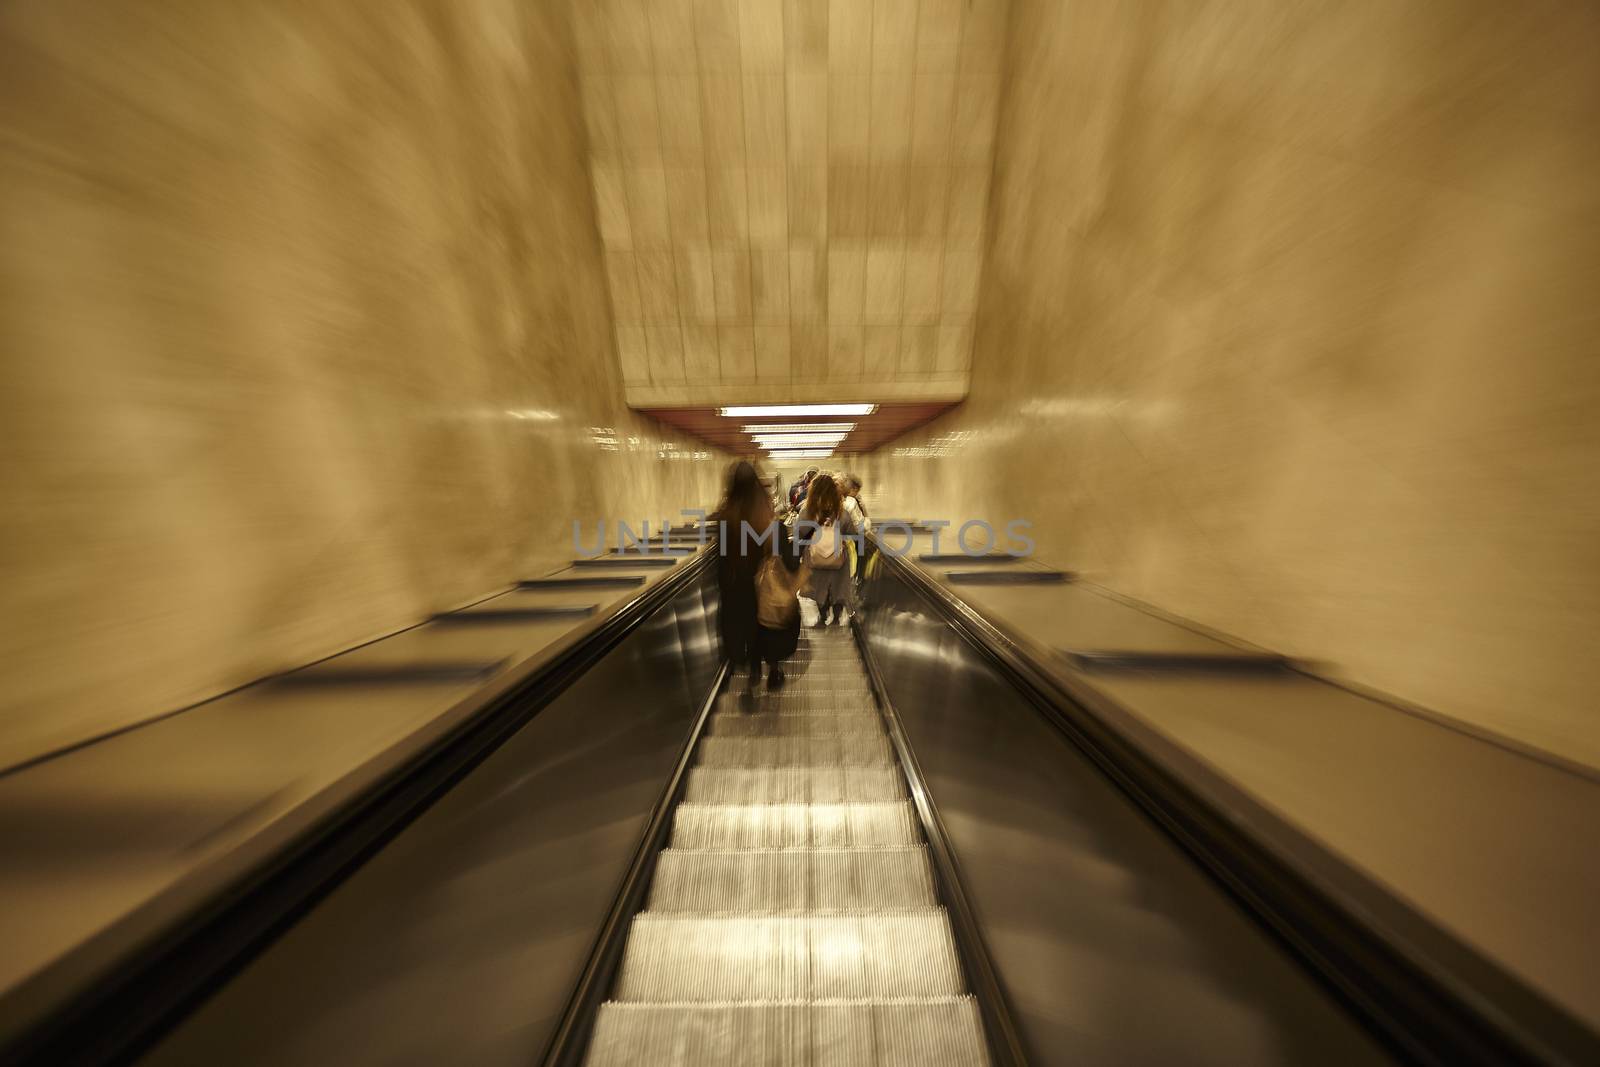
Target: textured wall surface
(791, 192)
(303, 335)
(1288, 324)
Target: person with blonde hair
(856, 509)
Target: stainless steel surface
(1415, 820)
(1111, 945)
(1003, 576)
(435, 643)
(794, 917)
(480, 616)
(564, 594)
(461, 939)
(653, 550)
(108, 844)
(1075, 615)
(1102, 659)
(590, 581)
(1497, 847)
(443, 672)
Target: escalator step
(859, 750)
(941, 1033)
(793, 825)
(794, 698)
(849, 675)
(793, 785)
(925, 1032)
(910, 954)
(791, 880)
(797, 704)
(795, 724)
(807, 666)
(828, 637)
(829, 690)
(826, 654)
(794, 919)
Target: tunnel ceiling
(791, 195)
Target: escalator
(897, 858)
(794, 917)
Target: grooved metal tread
(795, 724)
(802, 666)
(791, 880)
(794, 825)
(793, 785)
(865, 714)
(757, 707)
(698, 958)
(804, 692)
(864, 750)
(792, 703)
(823, 671)
(924, 1032)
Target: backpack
(827, 551)
(776, 606)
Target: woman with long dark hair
(828, 525)
(747, 536)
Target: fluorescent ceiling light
(781, 439)
(800, 442)
(799, 411)
(798, 427)
(800, 453)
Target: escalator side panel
(461, 940)
(1110, 945)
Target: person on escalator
(797, 491)
(856, 509)
(757, 560)
(828, 531)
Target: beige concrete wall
(1289, 325)
(791, 192)
(304, 334)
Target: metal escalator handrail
(571, 1038)
(1424, 1011)
(1005, 1044)
(129, 1003)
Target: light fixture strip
(763, 411)
(799, 427)
(800, 453)
(800, 439)
(801, 433)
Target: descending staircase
(793, 918)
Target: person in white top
(831, 583)
(856, 511)
(852, 502)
